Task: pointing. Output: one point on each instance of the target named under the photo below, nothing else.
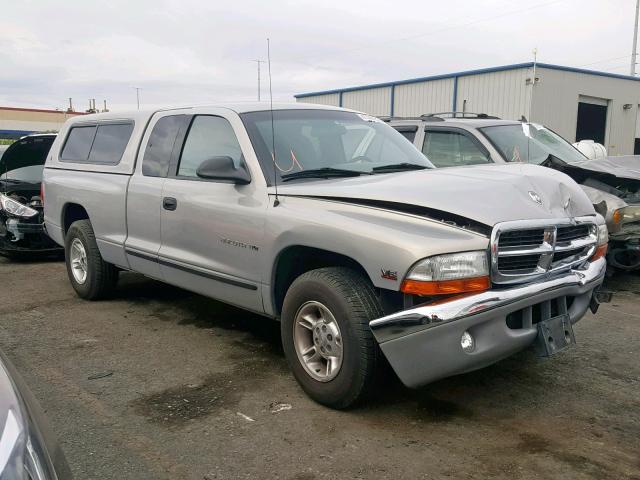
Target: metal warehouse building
(578, 104)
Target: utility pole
(635, 42)
(138, 96)
(262, 61)
(533, 80)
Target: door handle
(169, 203)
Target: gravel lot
(159, 383)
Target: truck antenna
(276, 202)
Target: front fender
(375, 238)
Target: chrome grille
(523, 250)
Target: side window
(110, 143)
(78, 144)
(408, 135)
(99, 144)
(451, 149)
(408, 132)
(157, 153)
(208, 137)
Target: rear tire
(91, 277)
(343, 301)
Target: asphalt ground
(159, 383)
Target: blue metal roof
(465, 73)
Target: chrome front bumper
(422, 344)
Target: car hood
(26, 152)
(483, 194)
(627, 166)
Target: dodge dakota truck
(330, 221)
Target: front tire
(326, 335)
(91, 277)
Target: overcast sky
(188, 51)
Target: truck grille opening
(566, 234)
(529, 316)
(521, 238)
(515, 264)
(521, 253)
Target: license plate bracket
(554, 335)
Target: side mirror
(222, 168)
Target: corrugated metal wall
(374, 101)
(503, 94)
(507, 94)
(328, 99)
(413, 99)
(555, 104)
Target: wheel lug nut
(324, 328)
(329, 337)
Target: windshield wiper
(398, 167)
(326, 172)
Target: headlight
(448, 274)
(16, 208)
(628, 214)
(603, 234)
(603, 239)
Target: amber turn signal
(617, 216)
(446, 287)
(600, 252)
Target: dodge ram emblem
(535, 197)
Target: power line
(435, 32)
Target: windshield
(327, 139)
(30, 174)
(531, 143)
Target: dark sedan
(21, 213)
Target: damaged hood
(484, 194)
(627, 166)
(26, 152)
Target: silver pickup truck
(332, 222)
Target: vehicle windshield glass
(326, 139)
(531, 143)
(30, 174)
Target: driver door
(212, 230)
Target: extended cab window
(78, 144)
(157, 154)
(208, 137)
(99, 144)
(450, 149)
(110, 143)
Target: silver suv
(330, 221)
(613, 184)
